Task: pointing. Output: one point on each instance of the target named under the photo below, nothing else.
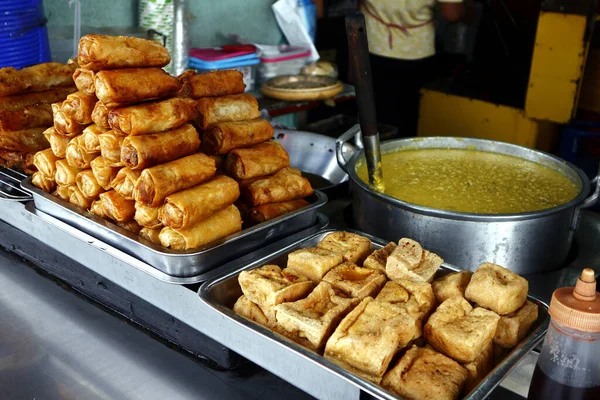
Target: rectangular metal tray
(222, 292)
(179, 263)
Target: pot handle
(588, 202)
(339, 145)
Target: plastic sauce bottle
(569, 364)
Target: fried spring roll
(84, 80)
(97, 208)
(89, 138)
(186, 208)
(267, 212)
(45, 162)
(260, 160)
(117, 207)
(139, 152)
(77, 156)
(19, 101)
(62, 192)
(27, 140)
(65, 174)
(103, 172)
(65, 124)
(36, 78)
(153, 117)
(125, 181)
(100, 115)
(35, 116)
(285, 185)
(128, 86)
(223, 137)
(110, 148)
(238, 107)
(79, 106)
(158, 182)
(41, 181)
(88, 185)
(98, 52)
(148, 216)
(58, 142)
(217, 226)
(131, 226)
(77, 198)
(151, 234)
(214, 83)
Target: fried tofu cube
(369, 336)
(269, 285)
(410, 261)
(313, 263)
(479, 368)
(453, 284)
(423, 373)
(312, 320)
(378, 258)
(252, 311)
(497, 289)
(512, 328)
(353, 248)
(416, 298)
(459, 331)
(355, 281)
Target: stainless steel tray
(221, 293)
(10, 189)
(178, 263)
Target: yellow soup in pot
(472, 181)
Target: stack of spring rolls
(25, 111)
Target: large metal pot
(525, 242)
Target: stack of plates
(23, 34)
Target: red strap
(389, 25)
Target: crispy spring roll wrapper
(79, 107)
(188, 207)
(97, 208)
(148, 216)
(90, 140)
(77, 156)
(84, 80)
(259, 160)
(36, 78)
(117, 207)
(125, 181)
(131, 226)
(151, 234)
(285, 185)
(62, 192)
(217, 226)
(158, 116)
(139, 152)
(100, 115)
(237, 107)
(41, 181)
(98, 52)
(223, 137)
(35, 116)
(158, 182)
(214, 83)
(103, 172)
(65, 174)
(267, 212)
(19, 101)
(88, 185)
(58, 142)
(110, 148)
(45, 162)
(65, 124)
(27, 140)
(77, 198)
(128, 86)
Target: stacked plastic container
(23, 33)
(209, 59)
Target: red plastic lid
(285, 57)
(216, 54)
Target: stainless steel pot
(525, 242)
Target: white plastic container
(288, 60)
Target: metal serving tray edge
(177, 263)
(221, 292)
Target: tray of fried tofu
(389, 318)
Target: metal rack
(10, 185)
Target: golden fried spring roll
(267, 212)
(19, 101)
(217, 226)
(98, 52)
(65, 174)
(237, 107)
(285, 185)
(87, 183)
(259, 160)
(65, 124)
(148, 216)
(100, 115)
(103, 172)
(152, 117)
(62, 192)
(139, 152)
(158, 182)
(27, 140)
(125, 181)
(214, 83)
(223, 137)
(36, 78)
(131, 226)
(77, 156)
(151, 234)
(58, 142)
(90, 140)
(110, 148)
(41, 181)
(45, 162)
(128, 86)
(77, 198)
(79, 107)
(186, 208)
(84, 80)
(97, 208)
(117, 207)
(36, 116)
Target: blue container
(245, 64)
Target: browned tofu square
(459, 331)
(423, 373)
(512, 328)
(313, 263)
(252, 311)
(353, 248)
(453, 284)
(497, 289)
(378, 258)
(355, 281)
(479, 368)
(269, 285)
(410, 261)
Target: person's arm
(455, 11)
